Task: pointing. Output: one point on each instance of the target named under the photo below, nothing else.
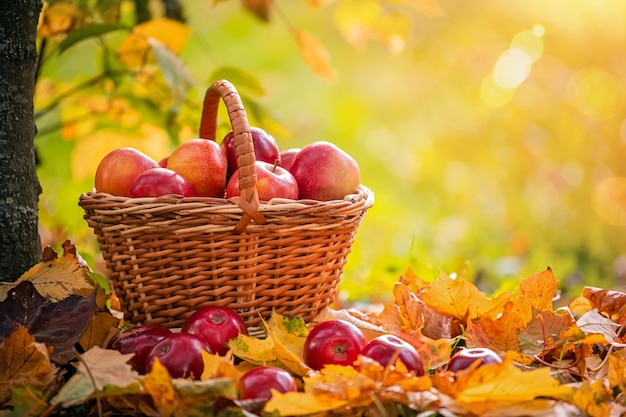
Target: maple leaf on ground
(57, 324)
(498, 385)
(283, 346)
(104, 371)
(24, 362)
(461, 299)
(545, 332)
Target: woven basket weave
(172, 255)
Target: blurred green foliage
(491, 132)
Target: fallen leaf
(24, 362)
(593, 322)
(544, 332)
(57, 324)
(302, 403)
(55, 279)
(105, 371)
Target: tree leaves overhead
(315, 55)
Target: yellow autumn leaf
(617, 370)
(135, 49)
(252, 349)
(535, 292)
(302, 403)
(315, 55)
(216, 366)
(461, 299)
(55, 279)
(59, 18)
(24, 362)
(593, 398)
(495, 385)
(159, 385)
(288, 335)
(90, 150)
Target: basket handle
(244, 148)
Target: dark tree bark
(20, 245)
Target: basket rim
(363, 198)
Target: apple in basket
(273, 181)
(119, 169)
(203, 163)
(265, 148)
(156, 182)
(325, 172)
(287, 157)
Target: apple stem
(276, 162)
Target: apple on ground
(203, 163)
(180, 354)
(138, 340)
(119, 169)
(325, 172)
(335, 342)
(258, 383)
(383, 349)
(163, 162)
(156, 182)
(273, 181)
(464, 358)
(287, 157)
(216, 326)
(265, 148)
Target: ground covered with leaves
(569, 361)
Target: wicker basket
(170, 256)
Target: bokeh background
(493, 133)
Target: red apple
(287, 157)
(119, 169)
(163, 162)
(156, 182)
(180, 354)
(465, 357)
(272, 181)
(138, 340)
(216, 326)
(325, 172)
(335, 342)
(258, 383)
(203, 163)
(383, 349)
(265, 148)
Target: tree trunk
(20, 245)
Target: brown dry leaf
(497, 334)
(610, 302)
(59, 18)
(98, 330)
(544, 332)
(24, 362)
(315, 55)
(135, 50)
(259, 8)
(55, 279)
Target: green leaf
(91, 31)
(244, 80)
(176, 74)
(25, 402)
